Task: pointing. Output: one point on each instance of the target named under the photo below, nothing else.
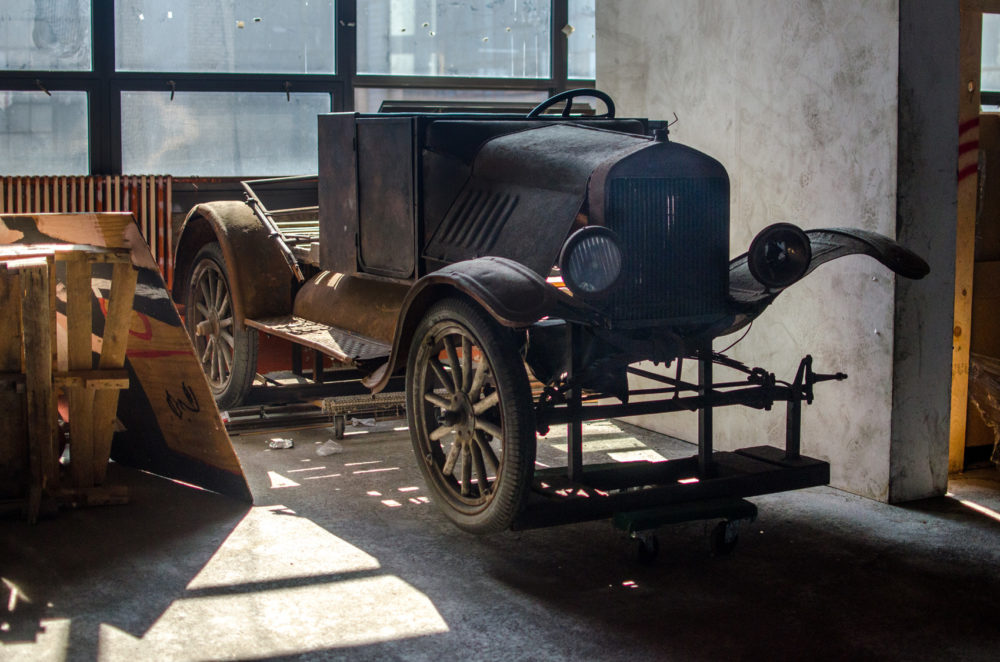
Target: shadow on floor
(344, 557)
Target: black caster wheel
(724, 537)
(647, 548)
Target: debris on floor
(329, 447)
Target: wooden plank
(95, 380)
(171, 425)
(50, 261)
(105, 229)
(117, 322)
(13, 424)
(168, 225)
(79, 324)
(968, 182)
(41, 415)
(987, 6)
(63, 252)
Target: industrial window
(43, 133)
(220, 133)
(245, 37)
(47, 36)
(232, 87)
(580, 36)
(483, 38)
(989, 80)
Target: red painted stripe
(968, 170)
(970, 146)
(968, 124)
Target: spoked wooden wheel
(470, 416)
(227, 350)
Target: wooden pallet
(30, 379)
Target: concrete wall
(800, 101)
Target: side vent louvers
(474, 222)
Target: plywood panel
(965, 241)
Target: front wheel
(470, 414)
(226, 349)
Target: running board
(340, 345)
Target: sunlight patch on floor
(273, 543)
(49, 643)
(289, 621)
(280, 584)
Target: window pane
(369, 99)
(990, 79)
(581, 43)
(45, 36)
(221, 134)
(226, 36)
(489, 38)
(43, 135)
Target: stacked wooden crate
(31, 382)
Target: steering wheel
(568, 97)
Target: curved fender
(510, 292)
(260, 279)
(749, 297)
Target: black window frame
(104, 85)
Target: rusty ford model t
(514, 268)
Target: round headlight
(779, 255)
(591, 261)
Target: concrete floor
(343, 557)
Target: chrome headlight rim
(576, 241)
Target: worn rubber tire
(230, 373)
(718, 540)
(502, 394)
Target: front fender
(510, 292)
(750, 298)
(259, 278)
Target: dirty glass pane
(221, 134)
(990, 80)
(42, 134)
(369, 99)
(581, 41)
(45, 35)
(225, 36)
(488, 38)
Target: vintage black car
(514, 268)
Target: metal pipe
(705, 416)
(758, 397)
(574, 431)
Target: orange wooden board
(171, 426)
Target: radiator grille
(148, 197)
(675, 239)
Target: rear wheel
(226, 349)
(470, 415)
